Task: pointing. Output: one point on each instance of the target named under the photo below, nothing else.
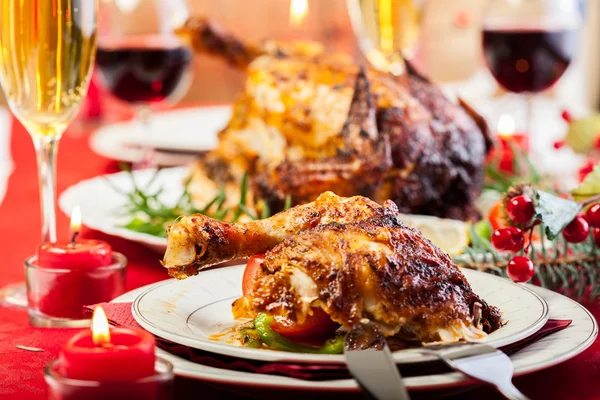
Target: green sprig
(150, 215)
(569, 268)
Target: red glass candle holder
(156, 387)
(508, 144)
(56, 296)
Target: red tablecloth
(21, 371)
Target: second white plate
(102, 205)
(194, 311)
(178, 135)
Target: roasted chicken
(351, 257)
(309, 121)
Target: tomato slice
(496, 217)
(252, 272)
(317, 325)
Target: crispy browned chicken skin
(349, 256)
(309, 121)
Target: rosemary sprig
(149, 214)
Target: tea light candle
(63, 277)
(105, 354)
(76, 253)
(508, 140)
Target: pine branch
(570, 269)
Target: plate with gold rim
(548, 351)
(196, 312)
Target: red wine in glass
(528, 59)
(143, 71)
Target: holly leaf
(590, 185)
(554, 212)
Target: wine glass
(387, 30)
(140, 58)
(528, 44)
(46, 51)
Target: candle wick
(73, 238)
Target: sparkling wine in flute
(46, 50)
(387, 30)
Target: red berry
(520, 269)
(596, 232)
(566, 116)
(520, 209)
(508, 239)
(559, 144)
(577, 230)
(592, 216)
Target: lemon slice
(450, 235)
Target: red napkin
(119, 314)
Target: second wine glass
(528, 44)
(141, 60)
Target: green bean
(268, 336)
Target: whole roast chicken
(310, 121)
(351, 257)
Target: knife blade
(370, 362)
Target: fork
(480, 362)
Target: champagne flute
(387, 30)
(46, 51)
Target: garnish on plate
(149, 214)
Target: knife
(370, 362)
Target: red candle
(67, 276)
(76, 253)
(509, 140)
(104, 354)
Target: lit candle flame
(298, 11)
(100, 330)
(506, 126)
(75, 226)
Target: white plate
(190, 311)
(176, 134)
(547, 352)
(101, 204)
